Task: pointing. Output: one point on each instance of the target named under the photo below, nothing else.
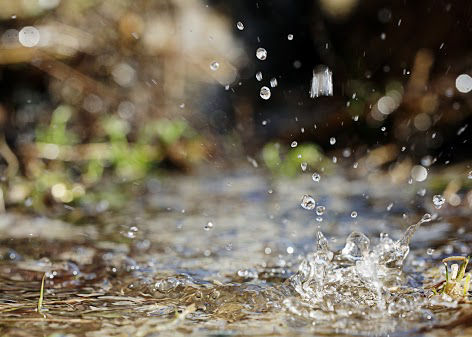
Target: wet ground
(217, 254)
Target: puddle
(265, 265)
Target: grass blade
(41, 294)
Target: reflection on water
(235, 254)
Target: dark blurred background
(95, 89)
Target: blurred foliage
(288, 162)
(68, 181)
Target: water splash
(354, 281)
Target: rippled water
(236, 254)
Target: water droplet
(290, 250)
(265, 93)
(316, 177)
(303, 166)
(261, 54)
(430, 251)
(383, 128)
(320, 210)
(29, 36)
(208, 226)
(259, 76)
(273, 82)
(290, 37)
(264, 122)
(470, 175)
(308, 202)
(294, 144)
(389, 207)
(353, 214)
(252, 161)
(240, 25)
(383, 36)
(438, 201)
(332, 140)
(426, 217)
(214, 65)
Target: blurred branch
(83, 152)
(9, 157)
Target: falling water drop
(265, 93)
(308, 202)
(332, 140)
(240, 25)
(261, 54)
(273, 82)
(294, 144)
(303, 166)
(321, 82)
(430, 251)
(316, 177)
(208, 226)
(290, 37)
(214, 65)
(353, 214)
(438, 201)
(320, 210)
(259, 76)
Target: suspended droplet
(273, 82)
(316, 177)
(430, 251)
(261, 54)
(208, 226)
(265, 93)
(259, 76)
(240, 25)
(320, 210)
(290, 37)
(294, 144)
(308, 202)
(438, 201)
(303, 166)
(353, 214)
(214, 65)
(332, 140)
